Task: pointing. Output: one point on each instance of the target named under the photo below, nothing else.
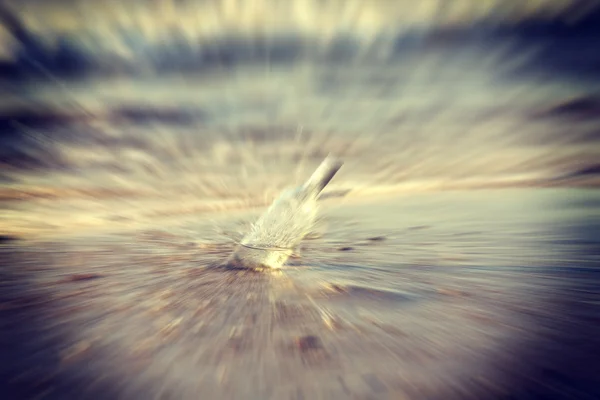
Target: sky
(101, 23)
(139, 110)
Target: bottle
(277, 233)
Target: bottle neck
(322, 176)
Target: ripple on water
(343, 293)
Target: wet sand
(452, 295)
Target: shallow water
(473, 294)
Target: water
(441, 295)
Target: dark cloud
(592, 170)
(582, 107)
(567, 47)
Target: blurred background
(169, 114)
(217, 101)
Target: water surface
(439, 295)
